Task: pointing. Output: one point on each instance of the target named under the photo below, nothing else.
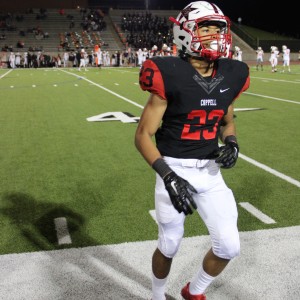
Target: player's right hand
(180, 192)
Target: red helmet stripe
(215, 8)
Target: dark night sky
(263, 14)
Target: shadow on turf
(29, 216)
(35, 220)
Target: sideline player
(286, 58)
(259, 58)
(274, 58)
(83, 60)
(190, 108)
(238, 53)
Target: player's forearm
(227, 130)
(146, 147)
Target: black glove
(229, 153)
(180, 193)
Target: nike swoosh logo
(222, 91)
(174, 186)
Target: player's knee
(169, 247)
(170, 236)
(232, 250)
(169, 242)
(227, 248)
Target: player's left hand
(228, 155)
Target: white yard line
(105, 89)
(3, 75)
(257, 213)
(270, 170)
(273, 98)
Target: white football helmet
(164, 47)
(193, 16)
(284, 47)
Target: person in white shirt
(140, 57)
(145, 55)
(106, 59)
(66, 59)
(12, 60)
(38, 58)
(83, 60)
(18, 60)
(25, 60)
(286, 58)
(259, 58)
(99, 55)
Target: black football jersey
(196, 105)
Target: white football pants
(215, 202)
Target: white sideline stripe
(270, 170)
(62, 231)
(257, 213)
(273, 98)
(113, 274)
(264, 167)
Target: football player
(274, 58)
(259, 58)
(83, 60)
(238, 53)
(189, 111)
(286, 58)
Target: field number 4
(124, 117)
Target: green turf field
(55, 163)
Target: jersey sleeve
(246, 81)
(151, 79)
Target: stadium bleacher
(59, 28)
(54, 31)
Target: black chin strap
(185, 56)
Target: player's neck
(203, 67)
